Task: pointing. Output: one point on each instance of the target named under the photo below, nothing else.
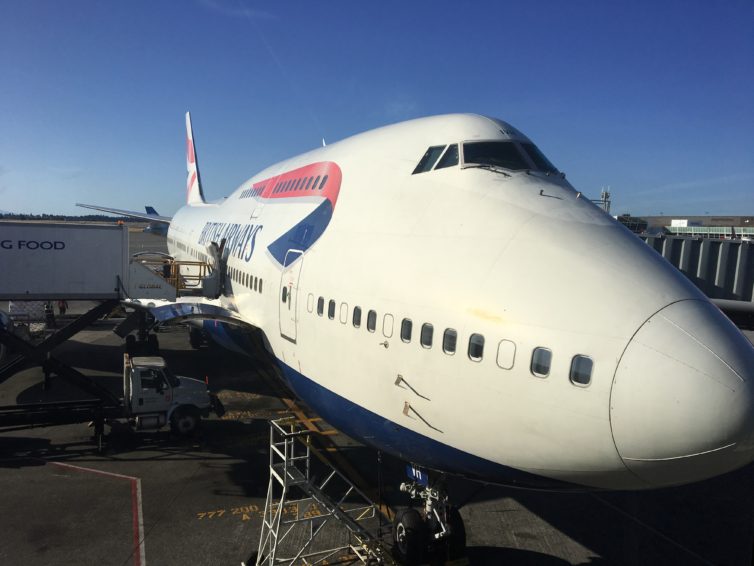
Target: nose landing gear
(433, 533)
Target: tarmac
(156, 498)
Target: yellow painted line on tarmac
(341, 462)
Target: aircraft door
(288, 296)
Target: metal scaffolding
(331, 521)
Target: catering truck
(153, 396)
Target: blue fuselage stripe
(360, 423)
(304, 234)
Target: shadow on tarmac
(494, 556)
(706, 523)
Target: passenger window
(320, 306)
(387, 325)
(541, 360)
(581, 370)
(331, 309)
(506, 354)
(406, 327)
(316, 182)
(285, 294)
(324, 182)
(260, 285)
(449, 339)
(310, 303)
(308, 182)
(343, 313)
(428, 159)
(356, 317)
(371, 321)
(426, 335)
(476, 347)
(450, 158)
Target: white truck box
(62, 260)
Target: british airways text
(240, 239)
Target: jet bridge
(44, 262)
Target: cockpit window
(450, 158)
(539, 159)
(496, 153)
(428, 160)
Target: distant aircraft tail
(194, 193)
(151, 211)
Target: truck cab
(154, 396)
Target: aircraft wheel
(185, 421)
(130, 344)
(457, 539)
(153, 345)
(410, 536)
(195, 338)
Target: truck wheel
(185, 421)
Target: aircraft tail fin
(151, 211)
(194, 193)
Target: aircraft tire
(153, 345)
(195, 338)
(457, 539)
(185, 421)
(409, 537)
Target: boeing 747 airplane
(438, 290)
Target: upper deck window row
(298, 184)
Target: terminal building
(719, 227)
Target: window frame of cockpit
(449, 148)
(517, 143)
(426, 155)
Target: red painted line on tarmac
(135, 515)
(136, 512)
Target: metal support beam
(304, 531)
(36, 354)
(39, 354)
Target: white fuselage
(518, 258)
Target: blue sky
(654, 99)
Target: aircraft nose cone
(682, 403)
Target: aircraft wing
(183, 310)
(131, 213)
